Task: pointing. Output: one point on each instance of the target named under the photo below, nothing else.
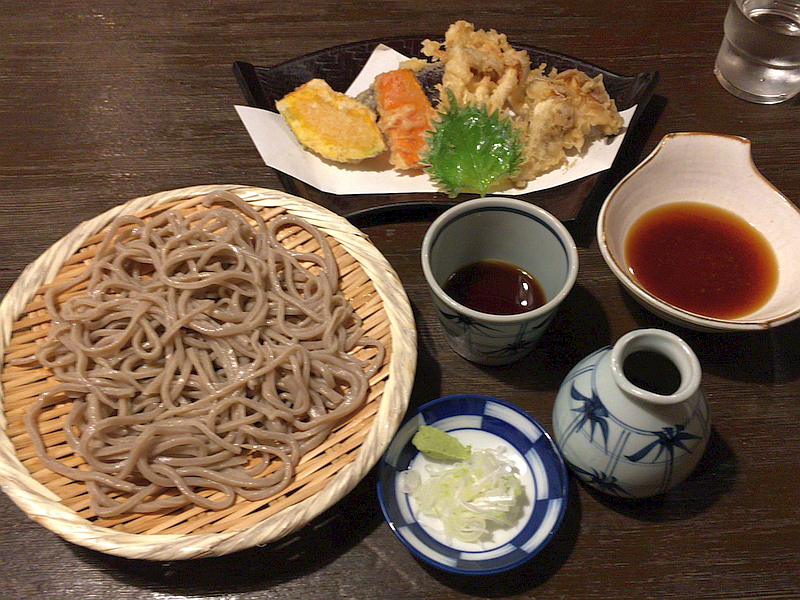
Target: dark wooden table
(102, 102)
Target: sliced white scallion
(470, 495)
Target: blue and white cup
(501, 229)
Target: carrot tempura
(405, 115)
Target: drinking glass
(759, 60)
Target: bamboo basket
(323, 477)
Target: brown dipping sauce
(702, 258)
(494, 287)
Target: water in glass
(759, 59)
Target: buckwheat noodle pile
(203, 359)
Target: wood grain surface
(102, 102)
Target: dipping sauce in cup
(495, 287)
(482, 260)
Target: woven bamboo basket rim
(328, 473)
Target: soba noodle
(203, 356)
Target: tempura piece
(330, 123)
(554, 112)
(405, 115)
(560, 113)
(470, 150)
(480, 67)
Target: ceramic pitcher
(631, 419)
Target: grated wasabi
(438, 444)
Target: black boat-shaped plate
(575, 203)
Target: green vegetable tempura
(439, 445)
(470, 150)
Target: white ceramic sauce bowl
(718, 170)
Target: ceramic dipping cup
(510, 231)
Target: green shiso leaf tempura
(470, 150)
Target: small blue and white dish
(481, 422)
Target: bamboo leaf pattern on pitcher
(666, 441)
(593, 411)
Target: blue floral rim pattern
(522, 433)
